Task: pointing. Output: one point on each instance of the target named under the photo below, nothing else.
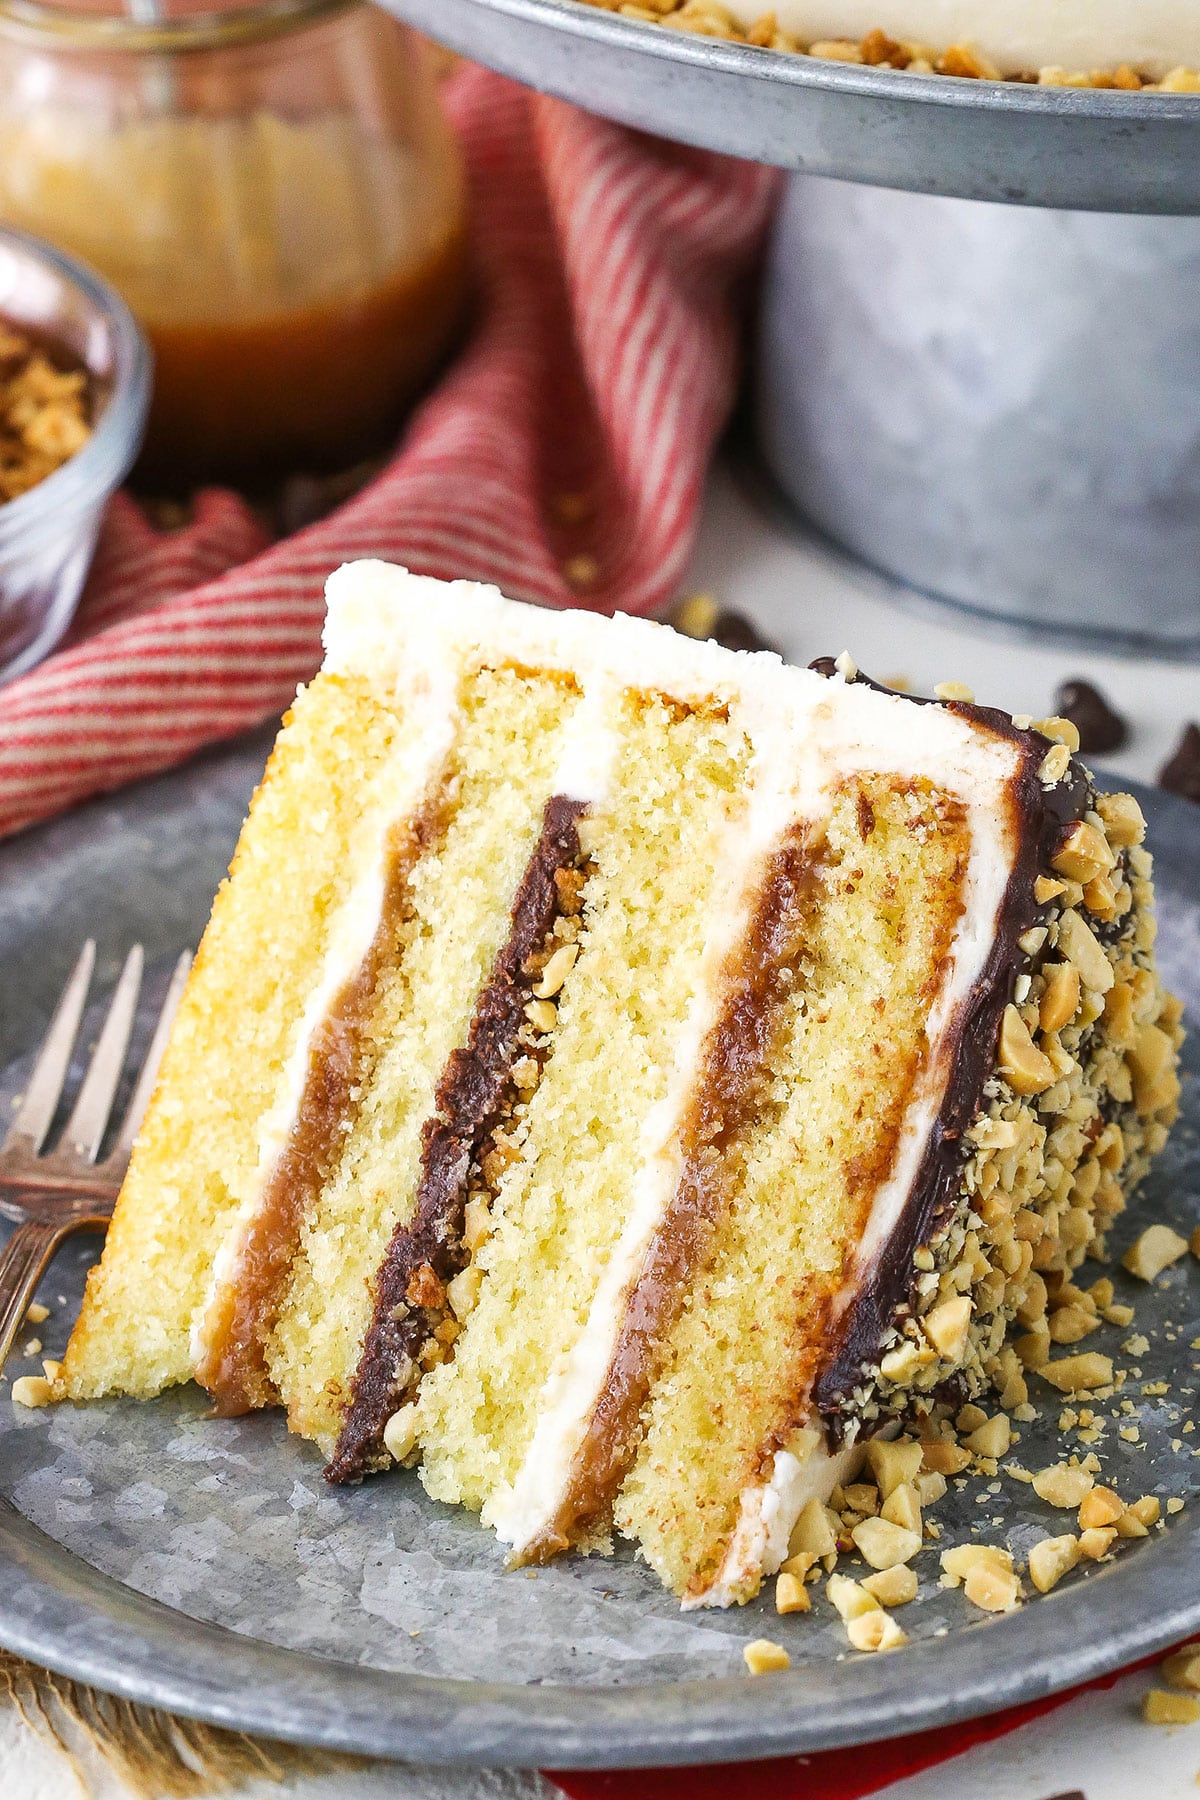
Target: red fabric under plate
(827, 1775)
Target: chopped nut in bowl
(45, 413)
(74, 388)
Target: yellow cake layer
(311, 822)
(656, 844)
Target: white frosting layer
(1019, 36)
(807, 1471)
(382, 620)
(520, 1512)
(431, 704)
(591, 744)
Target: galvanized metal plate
(1097, 150)
(201, 1564)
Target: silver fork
(70, 1188)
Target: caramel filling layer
(737, 1062)
(232, 1365)
(840, 1126)
(412, 1316)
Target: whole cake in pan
(621, 1075)
(1087, 43)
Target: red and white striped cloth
(602, 364)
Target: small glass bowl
(48, 535)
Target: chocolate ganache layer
(426, 1254)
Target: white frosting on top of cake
(1019, 36)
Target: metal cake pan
(1081, 148)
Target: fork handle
(23, 1261)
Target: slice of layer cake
(620, 1075)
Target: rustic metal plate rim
(59, 1612)
(577, 19)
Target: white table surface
(811, 602)
(810, 605)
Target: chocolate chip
(699, 616)
(734, 631)
(1099, 727)
(1181, 773)
(824, 665)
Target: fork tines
(85, 1130)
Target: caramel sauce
(300, 280)
(318, 387)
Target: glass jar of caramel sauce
(276, 193)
